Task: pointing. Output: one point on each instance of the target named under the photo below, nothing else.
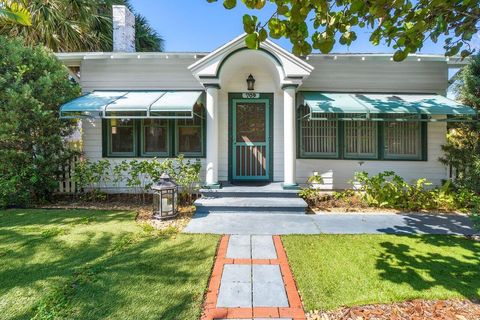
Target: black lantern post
(250, 83)
(165, 195)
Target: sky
(199, 26)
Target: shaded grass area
(346, 270)
(88, 264)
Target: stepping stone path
(251, 279)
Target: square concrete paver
(235, 286)
(235, 294)
(237, 273)
(268, 287)
(239, 247)
(263, 247)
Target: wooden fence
(66, 184)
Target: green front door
(250, 140)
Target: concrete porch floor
(271, 223)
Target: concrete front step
(250, 204)
(271, 190)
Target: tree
(14, 12)
(77, 25)
(403, 24)
(33, 83)
(462, 151)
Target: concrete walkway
(251, 279)
(284, 223)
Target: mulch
(453, 309)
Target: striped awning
(371, 106)
(133, 104)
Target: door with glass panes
(250, 140)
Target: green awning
(132, 104)
(372, 106)
(178, 104)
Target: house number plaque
(250, 95)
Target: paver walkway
(356, 223)
(251, 279)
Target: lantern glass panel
(167, 202)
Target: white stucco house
(334, 114)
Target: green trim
(172, 147)
(217, 73)
(290, 186)
(202, 126)
(270, 107)
(134, 142)
(213, 186)
(316, 155)
(380, 144)
(141, 135)
(212, 85)
(285, 86)
(357, 156)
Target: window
(190, 133)
(360, 139)
(121, 134)
(318, 138)
(154, 137)
(350, 139)
(402, 140)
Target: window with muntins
(360, 139)
(318, 138)
(402, 140)
(154, 133)
(121, 137)
(190, 133)
(155, 137)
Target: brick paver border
(295, 309)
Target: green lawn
(86, 264)
(345, 270)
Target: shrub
(33, 84)
(138, 175)
(389, 190)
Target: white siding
(338, 173)
(353, 74)
(138, 74)
(344, 74)
(92, 149)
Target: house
(265, 115)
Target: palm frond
(14, 12)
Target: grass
(86, 264)
(346, 270)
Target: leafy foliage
(14, 12)
(389, 190)
(404, 24)
(139, 175)
(462, 151)
(33, 83)
(78, 25)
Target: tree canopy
(78, 25)
(14, 12)
(404, 25)
(33, 83)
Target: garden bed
(349, 202)
(416, 309)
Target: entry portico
(255, 117)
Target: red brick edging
(295, 309)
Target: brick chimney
(123, 29)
